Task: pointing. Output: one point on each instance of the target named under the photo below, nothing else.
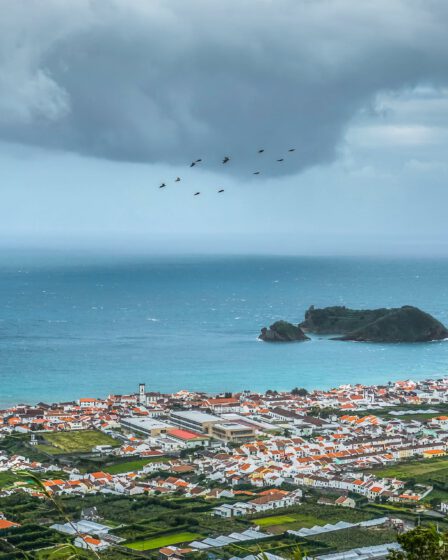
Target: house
(223, 404)
(216, 493)
(324, 501)
(173, 552)
(273, 499)
(90, 514)
(5, 524)
(345, 501)
(90, 543)
(233, 510)
(91, 403)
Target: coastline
(212, 394)
(66, 330)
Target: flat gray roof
(144, 423)
(195, 416)
(231, 426)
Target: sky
(103, 100)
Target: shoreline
(216, 394)
(107, 344)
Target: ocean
(87, 329)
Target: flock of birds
(225, 160)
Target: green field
(81, 441)
(275, 520)
(293, 522)
(166, 540)
(132, 465)
(415, 469)
(308, 515)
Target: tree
(422, 543)
(300, 392)
(321, 412)
(435, 502)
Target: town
(226, 476)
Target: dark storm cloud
(170, 80)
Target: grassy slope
(415, 469)
(81, 441)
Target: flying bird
(281, 159)
(177, 180)
(226, 159)
(256, 173)
(261, 151)
(221, 190)
(192, 164)
(198, 160)
(196, 193)
(162, 185)
(292, 150)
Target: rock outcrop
(403, 324)
(282, 331)
(339, 320)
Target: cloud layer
(167, 81)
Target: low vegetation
(308, 515)
(82, 441)
(422, 543)
(23, 539)
(175, 538)
(415, 469)
(355, 537)
(127, 466)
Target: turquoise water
(88, 329)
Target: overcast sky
(102, 100)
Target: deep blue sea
(83, 329)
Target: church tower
(142, 393)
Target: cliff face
(282, 331)
(403, 324)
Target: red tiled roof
(183, 434)
(5, 524)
